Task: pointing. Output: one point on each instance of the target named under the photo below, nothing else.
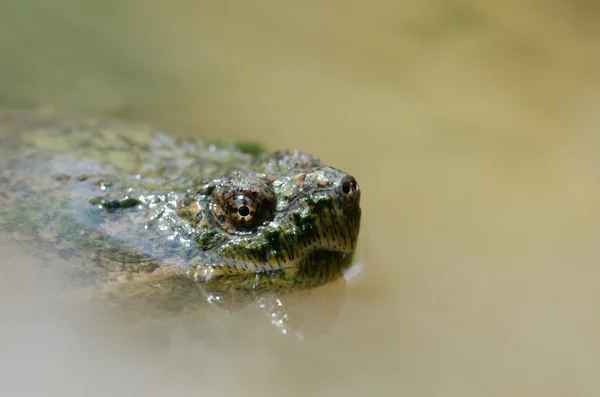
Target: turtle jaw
(294, 253)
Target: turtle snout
(348, 189)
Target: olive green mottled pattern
(128, 205)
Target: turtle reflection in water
(141, 215)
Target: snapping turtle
(139, 214)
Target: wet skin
(128, 205)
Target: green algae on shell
(132, 206)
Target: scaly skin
(128, 205)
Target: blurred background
(472, 128)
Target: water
(471, 128)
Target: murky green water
(472, 128)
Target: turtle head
(290, 216)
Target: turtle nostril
(349, 187)
(346, 187)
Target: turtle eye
(246, 212)
(241, 203)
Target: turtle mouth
(323, 265)
(310, 259)
(317, 267)
(314, 265)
